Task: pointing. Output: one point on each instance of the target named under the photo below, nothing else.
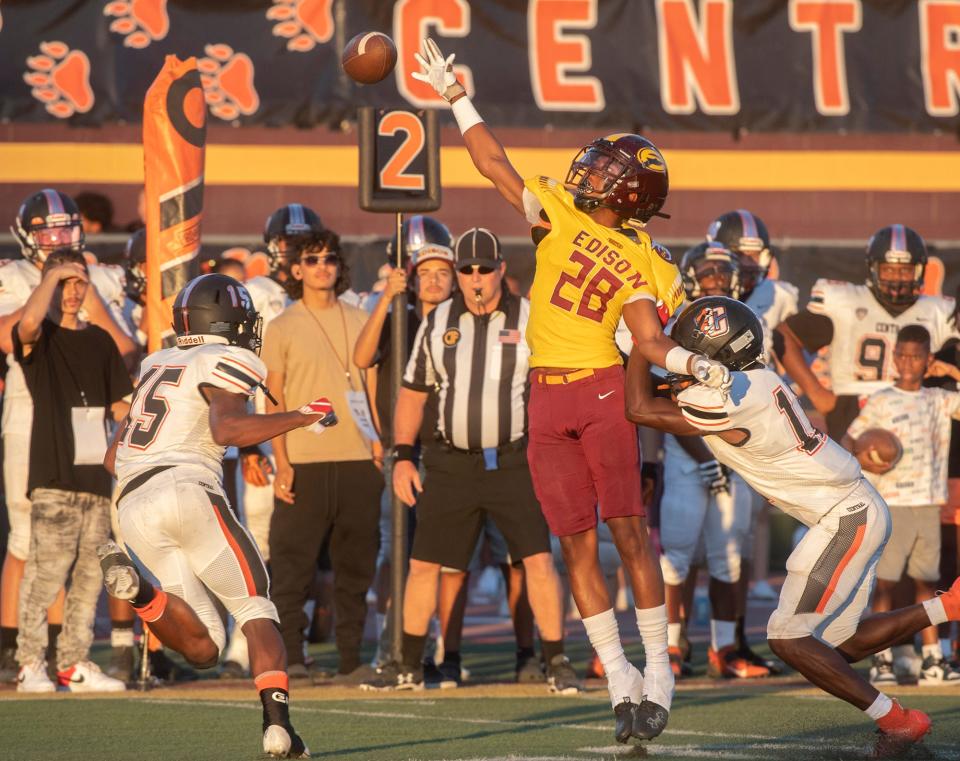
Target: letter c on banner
(186, 108)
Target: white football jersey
(922, 421)
(773, 301)
(18, 279)
(169, 417)
(864, 333)
(798, 468)
(269, 297)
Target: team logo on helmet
(713, 322)
(651, 160)
(861, 312)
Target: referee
(471, 349)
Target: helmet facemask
(37, 242)
(898, 293)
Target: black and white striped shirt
(479, 367)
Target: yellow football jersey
(585, 274)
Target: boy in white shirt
(914, 487)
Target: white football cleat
(120, 575)
(86, 676)
(276, 741)
(33, 678)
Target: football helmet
(898, 245)
(135, 265)
(423, 238)
(297, 225)
(46, 221)
(745, 234)
(722, 329)
(710, 269)
(622, 172)
(216, 309)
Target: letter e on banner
(827, 20)
(412, 22)
(696, 59)
(399, 160)
(940, 56)
(555, 55)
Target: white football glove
(714, 476)
(437, 71)
(711, 373)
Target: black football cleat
(649, 720)
(624, 714)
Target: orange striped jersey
(798, 468)
(169, 417)
(585, 274)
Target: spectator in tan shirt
(327, 487)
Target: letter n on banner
(174, 136)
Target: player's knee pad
(252, 608)
(675, 568)
(724, 566)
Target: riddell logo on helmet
(713, 322)
(651, 160)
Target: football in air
(879, 446)
(369, 57)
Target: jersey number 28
(593, 288)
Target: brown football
(369, 57)
(882, 447)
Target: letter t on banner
(174, 138)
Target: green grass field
(781, 719)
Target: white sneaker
(626, 684)
(33, 678)
(938, 672)
(762, 590)
(86, 676)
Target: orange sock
(272, 680)
(153, 609)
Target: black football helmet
(745, 234)
(135, 265)
(896, 244)
(423, 238)
(707, 261)
(216, 309)
(722, 329)
(48, 220)
(622, 172)
(294, 223)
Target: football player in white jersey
(860, 324)
(774, 300)
(702, 505)
(190, 403)
(46, 221)
(758, 429)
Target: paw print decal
(60, 78)
(227, 79)
(139, 21)
(305, 23)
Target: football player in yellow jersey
(594, 264)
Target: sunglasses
(483, 269)
(312, 260)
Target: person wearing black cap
(471, 349)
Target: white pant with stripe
(179, 525)
(831, 572)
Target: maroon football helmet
(622, 172)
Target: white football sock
(652, 623)
(933, 651)
(121, 637)
(879, 707)
(722, 633)
(935, 610)
(604, 635)
(673, 634)
(886, 655)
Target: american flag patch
(509, 336)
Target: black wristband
(403, 452)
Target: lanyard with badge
(356, 400)
(89, 426)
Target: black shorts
(458, 493)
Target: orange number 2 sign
(393, 175)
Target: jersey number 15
(148, 411)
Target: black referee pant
(340, 500)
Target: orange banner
(174, 139)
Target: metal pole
(143, 680)
(398, 559)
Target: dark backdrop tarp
(255, 78)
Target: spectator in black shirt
(76, 377)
